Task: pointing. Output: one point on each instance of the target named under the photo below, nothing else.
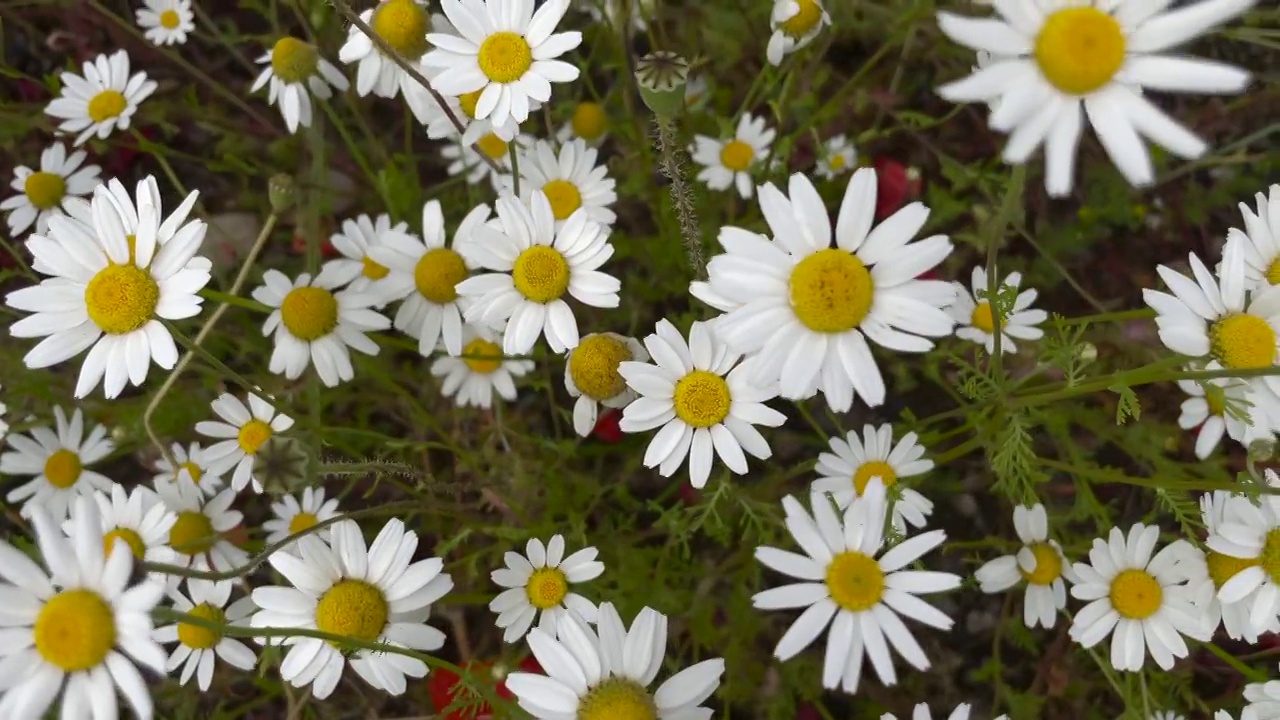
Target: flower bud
(280, 192)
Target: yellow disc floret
(1243, 342)
(872, 469)
(302, 521)
(804, 21)
(309, 313)
(352, 608)
(438, 273)
(1048, 564)
(505, 57)
(1080, 49)
(252, 435)
(1224, 567)
(198, 637)
(855, 581)
(293, 61)
(169, 19)
(44, 189)
(541, 274)
(589, 121)
(404, 25)
(75, 630)
(121, 298)
(1136, 594)
(702, 399)
(831, 291)
(106, 105)
(563, 196)
(593, 366)
(467, 101)
(372, 269)
(493, 146)
(982, 318)
(192, 533)
(62, 468)
(482, 356)
(617, 698)
(1273, 272)
(130, 538)
(546, 587)
(193, 470)
(1270, 557)
(737, 155)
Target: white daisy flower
(197, 646)
(921, 712)
(591, 375)
(166, 22)
(805, 309)
(838, 157)
(1052, 57)
(589, 123)
(570, 180)
(198, 537)
(296, 72)
(854, 461)
(975, 316)
(605, 673)
(479, 370)
(369, 593)
(465, 161)
(1211, 570)
(1251, 533)
(138, 519)
(1260, 239)
(1141, 601)
(538, 586)
(192, 468)
(504, 50)
(356, 268)
(293, 516)
(844, 579)
(101, 101)
(425, 273)
(402, 24)
(112, 283)
(706, 407)
(535, 265)
(1207, 409)
(60, 463)
(79, 630)
(1166, 715)
(1039, 562)
(795, 23)
(463, 108)
(1264, 701)
(43, 192)
(733, 161)
(241, 435)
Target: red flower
(896, 185)
(444, 688)
(299, 245)
(118, 163)
(607, 428)
(689, 495)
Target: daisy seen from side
(975, 316)
(570, 179)
(190, 466)
(1219, 406)
(102, 100)
(733, 161)
(166, 22)
(356, 267)
(294, 72)
(403, 25)
(795, 24)
(537, 585)
(591, 375)
(1260, 239)
(198, 647)
(293, 515)
(1212, 570)
(481, 369)
(1039, 562)
(199, 534)
(838, 157)
(241, 432)
(59, 462)
(1250, 533)
(42, 193)
(855, 460)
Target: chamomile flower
(703, 400)
(198, 537)
(570, 179)
(402, 24)
(538, 586)
(855, 460)
(591, 375)
(43, 192)
(589, 123)
(1260, 239)
(975, 316)
(735, 160)
(795, 23)
(293, 516)
(844, 579)
(191, 467)
(1206, 408)
(921, 712)
(481, 369)
(1211, 570)
(243, 431)
(166, 22)
(1264, 701)
(368, 593)
(112, 283)
(1039, 562)
(838, 157)
(1141, 601)
(535, 264)
(79, 631)
(605, 673)
(1166, 715)
(464, 160)
(60, 463)
(1251, 534)
(138, 519)
(103, 100)
(295, 71)
(1051, 58)
(805, 309)
(463, 108)
(199, 647)
(356, 268)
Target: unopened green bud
(1087, 352)
(661, 77)
(280, 192)
(1262, 450)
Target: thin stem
(515, 168)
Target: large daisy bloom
(838, 157)
(842, 578)
(855, 460)
(166, 22)
(190, 466)
(1141, 601)
(605, 673)
(60, 463)
(198, 537)
(242, 432)
(570, 179)
(735, 160)
(199, 647)
(295, 72)
(975, 315)
(43, 192)
(1251, 534)
(1260, 239)
(795, 23)
(805, 309)
(402, 24)
(591, 375)
(703, 400)
(537, 585)
(356, 267)
(112, 283)
(1039, 562)
(535, 264)
(101, 101)
(1209, 407)
(136, 518)
(78, 631)
(370, 593)
(481, 369)
(293, 515)
(1052, 57)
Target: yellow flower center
(197, 637)
(467, 101)
(547, 586)
(1270, 557)
(354, 609)
(252, 435)
(62, 468)
(855, 581)
(831, 291)
(438, 273)
(192, 533)
(106, 105)
(302, 521)
(803, 22)
(130, 538)
(403, 24)
(372, 269)
(983, 318)
(1243, 342)
(836, 162)
(1273, 272)
(309, 313)
(737, 155)
(617, 698)
(75, 630)
(44, 189)
(493, 146)
(293, 60)
(169, 19)
(504, 57)
(1224, 567)
(121, 298)
(593, 365)
(1080, 49)
(482, 356)
(1217, 402)
(193, 470)
(702, 399)
(1136, 594)
(1048, 564)
(563, 196)
(872, 469)
(589, 121)
(541, 274)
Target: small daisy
(356, 268)
(402, 24)
(1039, 562)
(166, 22)
(296, 72)
(535, 264)
(589, 123)
(538, 584)
(138, 519)
(1251, 533)
(112, 283)
(79, 631)
(844, 580)
(838, 157)
(732, 161)
(921, 712)
(1260, 239)
(1211, 570)
(102, 101)
(1264, 701)
(293, 516)
(591, 375)
(1141, 601)
(570, 180)
(1166, 715)
(795, 23)
(479, 370)
(605, 673)
(706, 407)
(805, 309)
(854, 461)
(245, 433)
(43, 191)
(59, 463)
(465, 161)
(192, 468)
(198, 537)
(368, 593)
(1053, 57)
(975, 317)
(198, 646)
(1207, 409)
